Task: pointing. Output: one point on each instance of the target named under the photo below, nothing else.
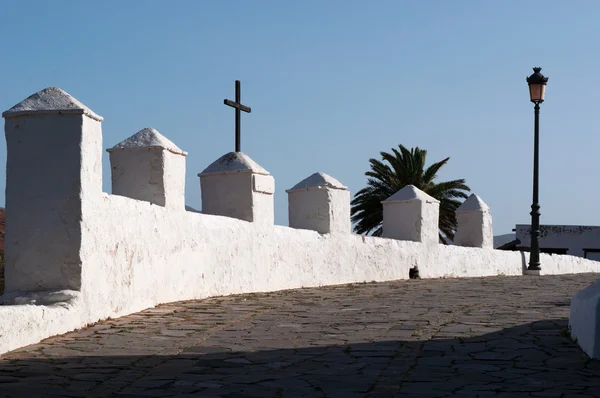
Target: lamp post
(537, 90)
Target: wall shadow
(523, 262)
(536, 358)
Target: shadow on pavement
(535, 359)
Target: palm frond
(395, 170)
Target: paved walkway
(501, 336)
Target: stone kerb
(147, 166)
(54, 166)
(474, 224)
(236, 186)
(319, 203)
(411, 214)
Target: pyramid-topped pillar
(147, 166)
(236, 186)
(319, 203)
(53, 175)
(411, 214)
(474, 224)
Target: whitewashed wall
(134, 254)
(185, 255)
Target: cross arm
(237, 106)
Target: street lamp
(537, 90)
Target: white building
(575, 240)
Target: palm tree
(405, 167)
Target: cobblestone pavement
(500, 336)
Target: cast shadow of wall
(523, 262)
(537, 357)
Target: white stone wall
(319, 203)
(474, 229)
(411, 214)
(403, 222)
(263, 208)
(44, 197)
(321, 210)
(148, 166)
(474, 224)
(230, 199)
(139, 175)
(584, 320)
(179, 255)
(174, 180)
(236, 186)
(125, 255)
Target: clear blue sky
(331, 84)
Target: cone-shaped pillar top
(473, 203)
(51, 100)
(410, 193)
(318, 181)
(148, 138)
(234, 162)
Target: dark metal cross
(238, 107)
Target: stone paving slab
(479, 337)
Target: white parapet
(319, 203)
(76, 255)
(474, 224)
(584, 320)
(236, 186)
(411, 214)
(54, 164)
(148, 166)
